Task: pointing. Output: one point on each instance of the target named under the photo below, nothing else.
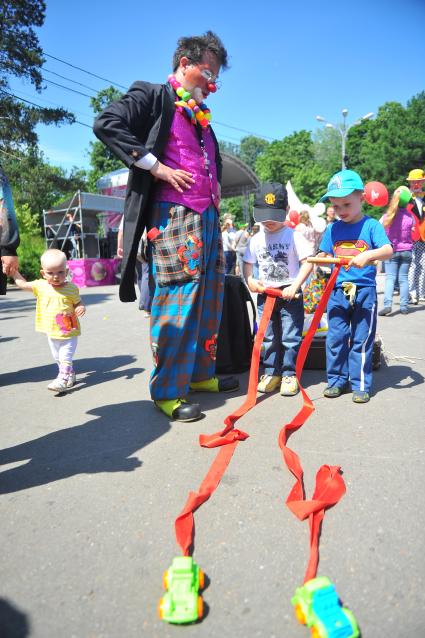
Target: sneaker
(360, 396)
(385, 311)
(269, 383)
(332, 392)
(289, 386)
(58, 385)
(404, 311)
(413, 299)
(70, 382)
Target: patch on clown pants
(211, 346)
(154, 348)
(189, 254)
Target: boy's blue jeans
(397, 268)
(283, 335)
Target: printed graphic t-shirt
(278, 255)
(55, 314)
(348, 240)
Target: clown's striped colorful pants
(185, 316)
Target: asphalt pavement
(92, 481)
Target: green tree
(251, 148)
(281, 160)
(229, 147)
(293, 158)
(102, 160)
(327, 149)
(309, 183)
(21, 56)
(31, 244)
(386, 148)
(38, 185)
(233, 206)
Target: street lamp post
(343, 129)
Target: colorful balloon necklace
(195, 112)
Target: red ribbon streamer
(330, 486)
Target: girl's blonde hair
(392, 209)
(305, 218)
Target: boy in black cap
(281, 255)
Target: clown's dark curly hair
(194, 47)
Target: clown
(416, 180)
(162, 133)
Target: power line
(68, 88)
(69, 79)
(17, 97)
(84, 70)
(39, 106)
(235, 128)
(42, 99)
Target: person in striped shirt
(57, 311)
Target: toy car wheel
(201, 577)
(350, 616)
(200, 607)
(165, 580)
(300, 614)
(161, 608)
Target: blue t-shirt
(348, 240)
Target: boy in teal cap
(353, 303)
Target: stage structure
(93, 249)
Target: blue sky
(289, 61)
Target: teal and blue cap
(342, 184)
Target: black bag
(316, 356)
(236, 333)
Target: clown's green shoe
(179, 409)
(228, 384)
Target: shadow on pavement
(97, 369)
(13, 623)
(11, 317)
(397, 377)
(105, 444)
(92, 299)
(27, 303)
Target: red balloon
(376, 194)
(294, 217)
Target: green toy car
(317, 605)
(182, 581)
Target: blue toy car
(317, 605)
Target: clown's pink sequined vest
(183, 150)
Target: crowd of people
(172, 236)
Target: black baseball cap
(270, 202)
